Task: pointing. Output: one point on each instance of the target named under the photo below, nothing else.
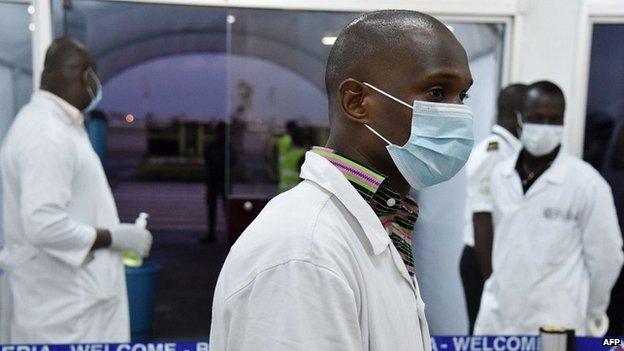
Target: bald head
(510, 100)
(61, 51)
(509, 103)
(65, 71)
(379, 41)
(544, 103)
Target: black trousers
(472, 280)
(616, 308)
(214, 191)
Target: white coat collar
(514, 142)
(70, 111)
(320, 171)
(555, 174)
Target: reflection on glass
(15, 61)
(604, 133)
(15, 67)
(160, 131)
(207, 113)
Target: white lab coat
(557, 250)
(316, 270)
(55, 195)
(499, 146)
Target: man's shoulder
(302, 225)
(582, 173)
(489, 152)
(502, 168)
(37, 120)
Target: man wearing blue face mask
(557, 245)
(63, 239)
(327, 265)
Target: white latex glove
(597, 326)
(131, 237)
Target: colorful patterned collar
(398, 215)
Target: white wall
(548, 48)
(438, 237)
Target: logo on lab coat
(553, 213)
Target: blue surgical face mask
(440, 142)
(96, 97)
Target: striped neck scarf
(398, 215)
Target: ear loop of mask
(377, 134)
(95, 78)
(391, 97)
(519, 123)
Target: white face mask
(540, 139)
(440, 142)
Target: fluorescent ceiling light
(328, 40)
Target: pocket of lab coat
(552, 243)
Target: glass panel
(604, 132)
(604, 140)
(15, 66)
(206, 115)
(278, 107)
(163, 68)
(15, 61)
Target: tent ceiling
(122, 35)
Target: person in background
(97, 128)
(598, 133)
(215, 162)
(328, 264)
(500, 145)
(557, 244)
(289, 155)
(63, 239)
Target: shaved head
(375, 38)
(509, 103)
(61, 51)
(510, 100)
(65, 72)
(544, 90)
(544, 104)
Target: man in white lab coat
(63, 239)
(328, 264)
(557, 246)
(501, 144)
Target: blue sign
(438, 343)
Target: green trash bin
(140, 282)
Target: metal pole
(41, 28)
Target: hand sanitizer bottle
(131, 258)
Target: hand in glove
(131, 237)
(597, 326)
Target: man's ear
(352, 94)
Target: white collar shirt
(316, 270)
